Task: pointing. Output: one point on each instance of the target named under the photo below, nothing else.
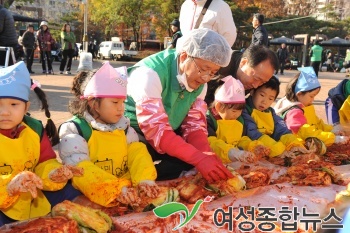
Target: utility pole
(85, 37)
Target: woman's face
(68, 28)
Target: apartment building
(50, 10)
(317, 8)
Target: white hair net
(206, 44)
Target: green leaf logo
(171, 208)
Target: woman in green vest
(165, 104)
(316, 56)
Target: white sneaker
(68, 72)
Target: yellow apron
(264, 121)
(230, 131)
(228, 134)
(344, 112)
(315, 127)
(17, 155)
(266, 125)
(107, 172)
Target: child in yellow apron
(226, 126)
(264, 125)
(32, 180)
(298, 111)
(99, 139)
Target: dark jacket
(43, 37)
(28, 40)
(260, 36)
(231, 69)
(176, 36)
(8, 35)
(282, 54)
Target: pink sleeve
(46, 151)
(194, 126)
(295, 119)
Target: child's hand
(149, 187)
(341, 139)
(300, 150)
(61, 174)
(129, 196)
(23, 182)
(235, 154)
(77, 171)
(338, 130)
(261, 151)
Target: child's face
(263, 98)
(307, 98)
(109, 111)
(227, 113)
(12, 112)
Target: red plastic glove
(23, 182)
(150, 188)
(211, 167)
(129, 196)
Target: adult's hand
(212, 169)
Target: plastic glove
(149, 187)
(129, 196)
(64, 173)
(212, 169)
(235, 154)
(23, 182)
(341, 139)
(300, 150)
(261, 151)
(338, 130)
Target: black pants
(316, 66)
(282, 64)
(169, 167)
(67, 53)
(29, 53)
(46, 58)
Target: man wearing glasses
(166, 105)
(254, 67)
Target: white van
(114, 50)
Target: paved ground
(57, 89)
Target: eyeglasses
(207, 76)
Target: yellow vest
(108, 151)
(17, 155)
(264, 121)
(344, 112)
(230, 131)
(310, 115)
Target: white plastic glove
(341, 139)
(23, 182)
(338, 130)
(235, 154)
(149, 187)
(64, 173)
(129, 196)
(300, 150)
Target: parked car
(115, 50)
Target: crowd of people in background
(114, 112)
